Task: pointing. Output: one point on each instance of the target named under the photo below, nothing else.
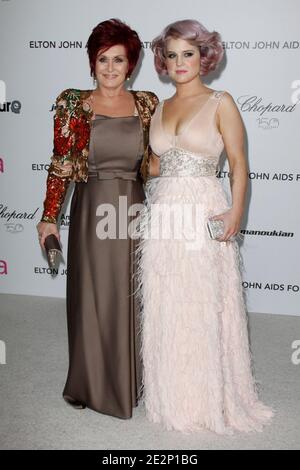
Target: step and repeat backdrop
(43, 52)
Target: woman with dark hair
(101, 143)
(195, 349)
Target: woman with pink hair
(195, 346)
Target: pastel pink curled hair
(209, 43)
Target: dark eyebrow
(188, 50)
(119, 55)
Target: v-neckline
(189, 121)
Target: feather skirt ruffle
(197, 363)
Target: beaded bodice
(196, 150)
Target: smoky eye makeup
(171, 55)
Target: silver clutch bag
(215, 228)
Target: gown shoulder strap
(218, 94)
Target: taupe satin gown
(104, 360)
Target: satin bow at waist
(110, 175)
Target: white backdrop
(261, 72)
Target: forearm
(61, 168)
(55, 195)
(238, 183)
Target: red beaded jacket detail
(72, 126)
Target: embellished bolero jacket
(72, 126)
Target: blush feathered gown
(195, 349)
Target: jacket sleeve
(60, 169)
(152, 102)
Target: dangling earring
(94, 81)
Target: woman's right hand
(44, 229)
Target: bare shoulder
(228, 115)
(227, 107)
(226, 100)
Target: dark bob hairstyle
(110, 33)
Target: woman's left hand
(232, 221)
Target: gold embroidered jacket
(72, 126)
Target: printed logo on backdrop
(40, 166)
(11, 218)
(261, 45)
(1, 165)
(3, 267)
(64, 221)
(146, 44)
(35, 44)
(272, 287)
(265, 176)
(53, 107)
(11, 106)
(276, 177)
(8, 106)
(263, 108)
(53, 272)
(268, 233)
(55, 44)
